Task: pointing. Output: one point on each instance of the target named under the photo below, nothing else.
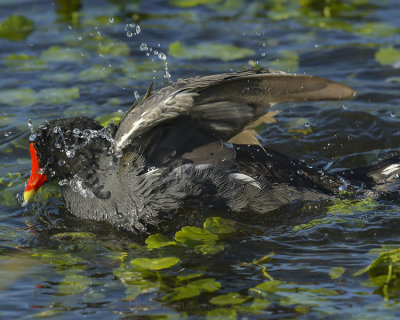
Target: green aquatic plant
(384, 273)
(210, 50)
(16, 28)
(388, 56)
(24, 62)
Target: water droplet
(58, 145)
(129, 34)
(120, 111)
(80, 38)
(138, 30)
(56, 129)
(63, 182)
(32, 137)
(143, 47)
(307, 124)
(392, 114)
(70, 153)
(76, 131)
(162, 56)
(61, 163)
(301, 172)
(137, 96)
(30, 125)
(111, 20)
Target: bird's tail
(383, 177)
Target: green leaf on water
(155, 263)
(219, 226)
(192, 289)
(192, 236)
(230, 298)
(58, 54)
(209, 50)
(107, 118)
(49, 313)
(57, 95)
(23, 62)
(16, 27)
(73, 284)
(388, 56)
(58, 76)
(189, 276)
(377, 29)
(113, 47)
(209, 248)
(222, 314)
(96, 72)
(384, 272)
(336, 272)
(158, 240)
(18, 97)
(192, 3)
(205, 285)
(181, 293)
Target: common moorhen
(177, 147)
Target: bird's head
(62, 148)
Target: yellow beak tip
(28, 195)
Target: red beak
(36, 180)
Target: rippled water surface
(63, 58)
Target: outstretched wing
(222, 105)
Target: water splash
(76, 184)
(30, 125)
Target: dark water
(89, 57)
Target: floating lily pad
(58, 54)
(209, 50)
(384, 272)
(222, 314)
(192, 289)
(16, 27)
(189, 276)
(230, 298)
(97, 72)
(192, 236)
(209, 248)
(60, 77)
(388, 56)
(155, 263)
(73, 284)
(78, 109)
(377, 29)
(23, 62)
(181, 293)
(193, 3)
(219, 226)
(336, 272)
(158, 240)
(57, 95)
(107, 118)
(18, 97)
